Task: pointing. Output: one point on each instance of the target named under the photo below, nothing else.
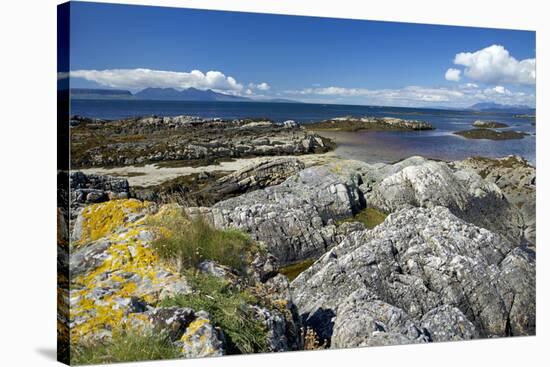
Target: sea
(368, 146)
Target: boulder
(201, 338)
(425, 183)
(422, 275)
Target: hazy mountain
(167, 94)
(189, 94)
(497, 107)
(89, 93)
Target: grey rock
(424, 183)
(448, 323)
(488, 124)
(191, 331)
(202, 339)
(362, 321)
(253, 177)
(89, 189)
(283, 323)
(294, 219)
(516, 179)
(432, 266)
(173, 320)
(89, 257)
(290, 124)
(188, 138)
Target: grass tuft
(125, 347)
(228, 308)
(188, 242)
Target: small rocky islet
(450, 257)
(485, 130)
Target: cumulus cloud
(453, 74)
(136, 79)
(501, 90)
(261, 86)
(495, 65)
(460, 96)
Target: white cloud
(453, 75)
(501, 90)
(417, 96)
(262, 86)
(136, 79)
(495, 65)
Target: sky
(310, 59)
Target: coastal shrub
(370, 217)
(229, 309)
(191, 241)
(126, 347)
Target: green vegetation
(490, 134)
(370, 217)
(125, 347)
(188, 242)
(293, 270)
(228, 308)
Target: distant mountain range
(496, 107)
(166, 94)
(85, 93)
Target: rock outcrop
(118, 283)
(295, 219)
(424, 183)
(184, 138)
(488, 124)
(516, 179)
(484, 133)
(351, 123)
(89, 189)
(422, 275)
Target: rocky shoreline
(186, 140)
(451, 255)
(351, 123)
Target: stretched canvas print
(234, 183)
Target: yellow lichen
(101, 219)
(130, 269)
(192, 329)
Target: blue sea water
(367, 146)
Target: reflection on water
(374, 146)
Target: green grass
(370, 217)
(125, 347)
(191, 241)
(293, 270)
(228, 309)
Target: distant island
(167, 94)
(497, 107)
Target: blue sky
(303, 58)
